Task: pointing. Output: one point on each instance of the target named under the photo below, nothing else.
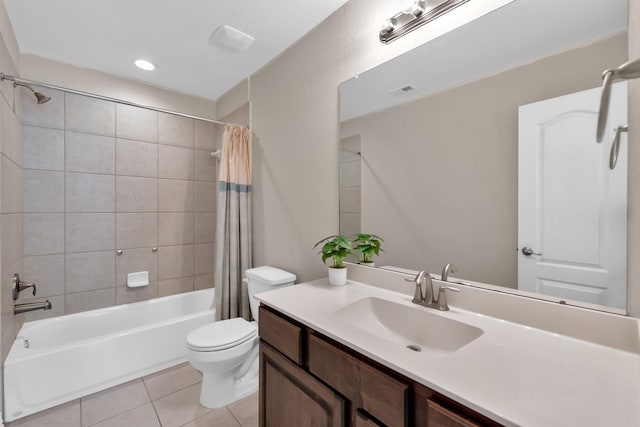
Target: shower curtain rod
(106, 98)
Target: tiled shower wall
(101, 177)
(10, 198)
(350, 185)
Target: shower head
(39, 96)
(627, 71)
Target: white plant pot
(368, 264)
(337, 276)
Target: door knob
(527, 251)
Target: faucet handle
(442, 297)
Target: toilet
(226, 351)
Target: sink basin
(414, 327)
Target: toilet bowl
(226, 351)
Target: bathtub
(56, 360)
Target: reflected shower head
(41, 98)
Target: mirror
(478, 149)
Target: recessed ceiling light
(145, 65)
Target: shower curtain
(233, 225)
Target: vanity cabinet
(306, 379)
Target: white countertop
(514, 374)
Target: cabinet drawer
(368, 388)
(281, 334)
(439, 416)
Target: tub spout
(31, 306)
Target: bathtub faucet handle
(19, 286)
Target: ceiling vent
(403, 89)
(231, 38)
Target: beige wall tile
(10, 134)
(136, 158)
(175, 130)
(206, 135)
(205, 227)
(205, 196)
(125, 295)
(204, 281)
(134, 260)
(350, 223)
(89, 153)
(171, 380)
(43, 148)
(43, 191)
(11, 236)
(84, 301)
(11, 184)
(176, 195)
(350, 199)
(47, 271)
(204, 255)
(49, 115)
(57, 309)
(89, 115)
(175, 162)
(88, 271)
(90, 192)
(86, 232)
(114, 401)
(43, 233)
(175, 261)
(136, 230)
(135, 194)
(175, 286)
(175, 229)
(350, 174)
(136, 123)
(205, 166)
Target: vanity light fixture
(145, 65)
(420, 13)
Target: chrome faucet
(31, 306)
(449, 268)
(428, 300)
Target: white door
(572, 209)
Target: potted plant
(338, 248)
(368, 245)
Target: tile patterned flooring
(169, 398)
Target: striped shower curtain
(233, 225)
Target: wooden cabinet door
(291, 397)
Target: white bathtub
(78, 354)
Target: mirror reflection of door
(571, 207)
(350, 182)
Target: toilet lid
(221, 334)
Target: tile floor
(169, 398)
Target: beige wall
(633, 239)
(295, 119)
(294, 115)
(440, 174)
(45, 70)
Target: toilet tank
(263, 279)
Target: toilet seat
(222, 335)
